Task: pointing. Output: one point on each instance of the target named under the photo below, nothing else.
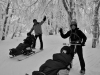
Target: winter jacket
(75, 35)
(37, 27)
(60, 61)
(29, 40)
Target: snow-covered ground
(52, 44)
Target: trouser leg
(34, 43)
(41, 41)
(81, 59)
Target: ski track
(52, 44)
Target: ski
(27, 56)
(16, 57)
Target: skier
(38, 32)
(76, 36)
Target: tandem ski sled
(58, 62)
(24, 50)
(23, 57)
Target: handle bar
(75, 44)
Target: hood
(73, 23)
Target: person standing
(76, 36)
(37, 27)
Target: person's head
(65, 49)
(73, 25)
(34, 21)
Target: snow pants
(79, 52)
(41, 42)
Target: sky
(52, 44)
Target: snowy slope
(52, 44)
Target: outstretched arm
(31, 29)
(64, 35)
(44, 19)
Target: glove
(60, 30)
(83, 44)
(44, 18)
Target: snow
(52, 44)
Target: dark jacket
(29, 39)
(37, 27)
(74, 35)
(60, 61)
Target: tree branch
(65, 5)
(1, 1)
(98, 5)
(47, 6)
(31, 5)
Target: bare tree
(69, 5)
(96, 25)
(5, 21)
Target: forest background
(16, 16)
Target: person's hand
(44, 18)
(60, 30)
(83, 44)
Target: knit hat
(34, 20)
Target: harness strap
(74, 34)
